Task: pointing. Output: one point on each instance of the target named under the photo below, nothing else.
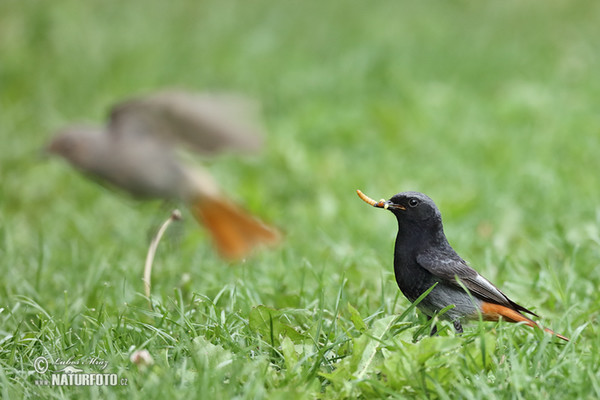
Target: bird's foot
(458, 327)
(434, 330)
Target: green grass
(491, 109)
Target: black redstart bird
(423, 257)
(138, 152)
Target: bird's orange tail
(493, 312)
(234, 231)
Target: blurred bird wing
(450, 266)
(205, 123)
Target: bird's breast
(412, 279)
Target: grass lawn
(489, 108)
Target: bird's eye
(413, 202)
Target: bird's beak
(379, 204)
(388, 205)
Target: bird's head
(409, 207)
(75, 144)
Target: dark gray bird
(423, 257)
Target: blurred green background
(489, 108)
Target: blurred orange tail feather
(234, 231)
(493, 312)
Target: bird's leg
(457, 326)
(433, 331)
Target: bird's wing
(448, 266)
(205, 123)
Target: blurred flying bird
(137, 152)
